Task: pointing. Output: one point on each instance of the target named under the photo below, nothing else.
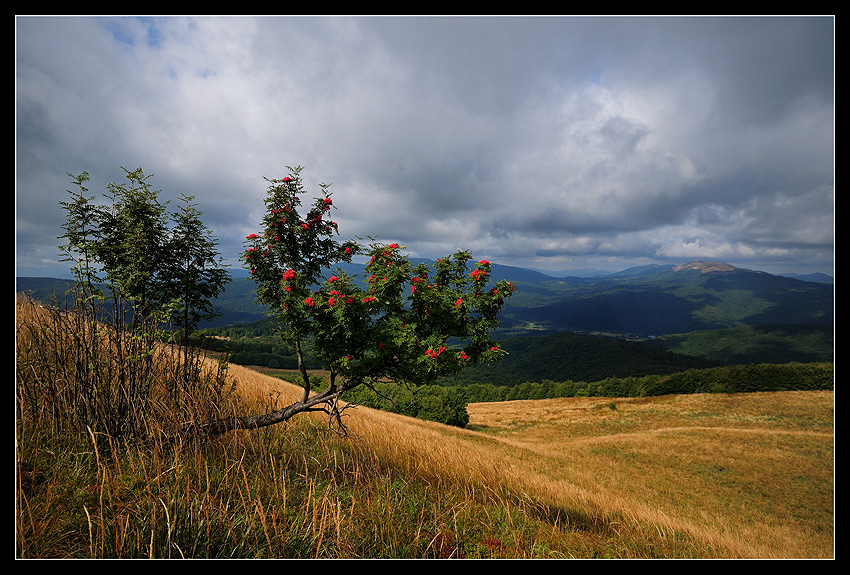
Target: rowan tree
(395, 322)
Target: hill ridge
(644, 300)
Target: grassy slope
(747, 475)
(678, 476)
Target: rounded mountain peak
(706, 267)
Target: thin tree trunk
(305, 377)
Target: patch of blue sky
(126, 31)
(154, 35)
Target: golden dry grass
(751, 473)
(746, 475)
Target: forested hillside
(645, 301)
(756, 344)
(659, 300)
(565, 356)
(672, 300)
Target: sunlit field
(750, 473)
(746, 475)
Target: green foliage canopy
(165, 266)
(395, 324)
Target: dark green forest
(562, 356)
(780, 343)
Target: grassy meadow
(697, 476)
(747, 475)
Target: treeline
(562, 356)
(554, 366)
(447, 405)
(566, 356)
(725, 379)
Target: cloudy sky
(557, 143)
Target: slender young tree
(194, 272)
(147, 263)
(405, 324)
(81, 228)
(131, 243)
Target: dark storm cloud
(547, 142)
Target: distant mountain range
(665, 299)
(817, 277)
(642, 301)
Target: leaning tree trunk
(326, 401)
